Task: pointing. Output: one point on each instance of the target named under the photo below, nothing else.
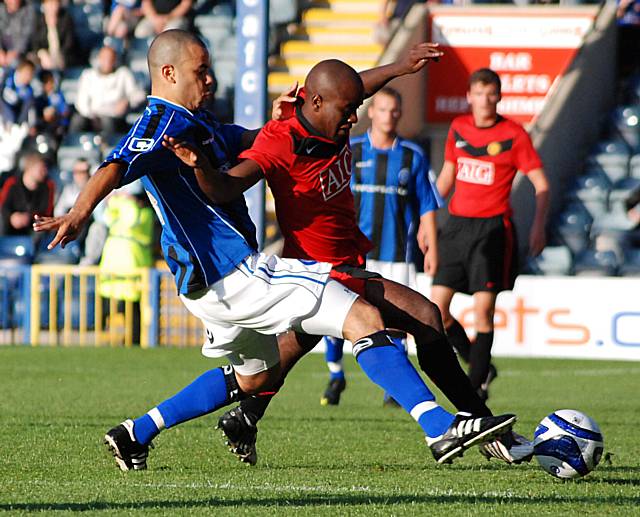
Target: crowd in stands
(73, 77)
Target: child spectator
(52, 111)
(17, 99)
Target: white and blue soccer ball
(568, 444)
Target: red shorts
(353, 277)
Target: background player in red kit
(306, 160)
(477, 247)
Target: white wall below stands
(573, 317)
(570, 317)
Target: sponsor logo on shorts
(475, 171)
(209, 336)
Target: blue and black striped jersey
(392, 189)
(202, 242)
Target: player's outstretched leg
(129, 441)
(467, 431)
(385, 362)
(337, 382)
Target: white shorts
(402, 272)
(265, 296)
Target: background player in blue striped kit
(395, 204)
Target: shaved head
(169, 47)
(179, 67)
(333, 92)
(332, 77)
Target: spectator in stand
(123, 18)
(17, 20)
(52, 111)
(105, 95)
(80, 176)
(160, 15)
(24, 195)
(54, 41)
(17, 102)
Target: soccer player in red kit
(477, 246)
(306, 160)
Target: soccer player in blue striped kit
(395, 203)
(244, 298)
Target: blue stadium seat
(634, 166)
(596, 263)
(626, 119)
(70, 254)
(573, 226)
(69, 83)
(79, 145)
(592, 190)
(630, 265)
(16, 250)
(620, 192)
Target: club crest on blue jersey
(403, 177)
(141, 145)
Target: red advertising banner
(529, 51)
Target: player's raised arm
(409, 63)
(219, 187)
(68, 226)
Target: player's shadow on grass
(364, 500)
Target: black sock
(480, 358)
(438, 360)
(257, 404)
(459, 340)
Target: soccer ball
(568, 444)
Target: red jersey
(309, 176)
(486, 161)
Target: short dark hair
(25, 63)
(391, 92)
(485, 76)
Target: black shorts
(477, 254)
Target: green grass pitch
(355, 459)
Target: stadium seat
(620, 192)
(573, 226)
(79, 145)
(634, 166)
(630, 265)
(596, 263)
(611, 157)
(626, 120)
(70, 254)
(69, 83)
(592, 190)
(16, 250)
(555, 260)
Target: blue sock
(333, 355)
(386, 363)
(204, 395)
